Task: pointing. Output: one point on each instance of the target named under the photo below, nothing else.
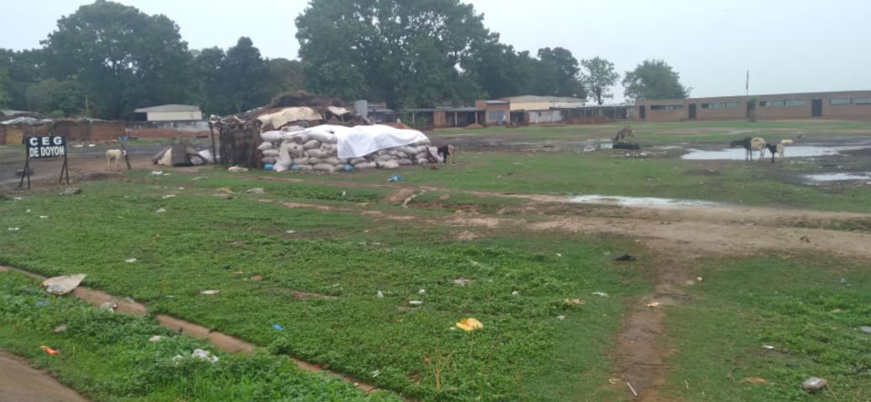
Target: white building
(171, 113)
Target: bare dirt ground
(19, 382)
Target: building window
(862, 101)
(666, 107)
(772, 103)
(720, 105)
(796, 102)
(840, 101)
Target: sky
(787, 45)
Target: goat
(114, 156)
(750, 145)
(445, 151)
(775, 149)
(623, 134)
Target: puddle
(738, 154)
(831, 177)
(641, 201)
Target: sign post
(45, 147)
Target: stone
(814, 384)
(866, 330)
(257, 191)
(71, 191)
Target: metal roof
(168, 108)
(447, 109)
(537, 98)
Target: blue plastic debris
(349, 168)
(294, 167)
(268, 167)
(42, 303)
(395, 178)
(278, 327)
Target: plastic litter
(768, 347)
(290, 231)
(376, 373)
(421, 292)
(61, 285)
(14, 229)
(415, 302)
(43, 217)
(602, 294)
(866, 330)
(156, 172)
(210, 292)
(130, 260)
(560, 317)
(160, 211)
(395, 178)
(42, 303)
(27, 212)
(268, 167)
(654, 304)
(814, 384)
(168, 196)
(573, 302)
(469, 324)
(256, 191)
(462, 281)
(109, 306)
(515, 293)
(380, 295)
(155, 338)
(49, 350)
(278, 327)
(237, 169)
(60, 328)
(205, 355)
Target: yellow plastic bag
(469, 324)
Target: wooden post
(25, 173)
(64, 169)
(214, 155)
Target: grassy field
(314, 251)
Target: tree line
(107, 59)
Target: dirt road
(21, 383)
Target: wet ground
(19, 382)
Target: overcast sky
(788, 45)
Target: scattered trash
(168, 196)
(452, 329)
(278, 327)
(92, 145)
(805, 239)
(574, 302)
(256, 278)
(18, 199)
(395, 178)
(814, 384)
(237, 169)
(42, 303)
(155, 338)
(755, 380)
(60, 328)
(160, 211)
(559, 255)
(768, 347)
(866, 330)
(421, 292)
(198, 178)
(344, 193)
(27, 212)
(109, 306)
(632, 389)
(560, 317)
(380, 295)
(844, 282)
(61, 285)
(156, 172)
(71, 191)
(14, 229)
(603, 294)
(205, 355)
(690, 282)
(699, 279)
(625, 257)
(257, 191)
(654, 304)
(607, 253)
(415, 302)
(376, 373)
(462, 281)
(130, 260)
(209, 292)
(49, 350)
(515, 293)
(43, 217)
(469, 324)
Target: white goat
(114, 156)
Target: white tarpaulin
(359, 141)
(289, 115)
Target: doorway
(817, 108)
(692, 111)
(642, 112)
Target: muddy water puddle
(837, 177)
(798, 151)
(651, 202)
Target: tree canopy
(654, 79)
(600, 77)
(557, 74)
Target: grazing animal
(445, 151)
(775, 149)
(623, 134)
(114, 156)
(750, 145)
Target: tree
(243, 75)
(64, 98)
(379, 45)
(500, 71)
(19, 69)
(5, 86)
(557, 74)
(206, 67)
(126, 58)
(284, 75)
(653, 79)
(600, 77)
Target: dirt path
(19, 382)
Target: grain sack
(304, 160)
(271, 152)
(271, 136)
(325, 167)
(408, 150)
(296, 150)
(357, 161)
(341, 167)
(268, 159)
(389, 165)
(365, 165)
(312, 144)
(284, 161)
(423, 161)
(333, 160)
(317, 153)
(422, 155)
(264, 146)
(421, 149)
(294, 129)
(314, 161)
(304, 168)
(405, 162)
(322, 136)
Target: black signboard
(45, 147)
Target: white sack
(271, 136)
(264, 146)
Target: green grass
(799, 306)
(108, 357)
(203, 241)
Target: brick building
(825, 105)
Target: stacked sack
(297, 149)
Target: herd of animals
(750, 144)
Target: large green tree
(654, 79)
(406, 52)
(206, 67)
(243, 76)
(500, 71)
(557, 74)
(58, 98)
(19, 70)
(126, 58)
(284, 75)
(599, 78)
